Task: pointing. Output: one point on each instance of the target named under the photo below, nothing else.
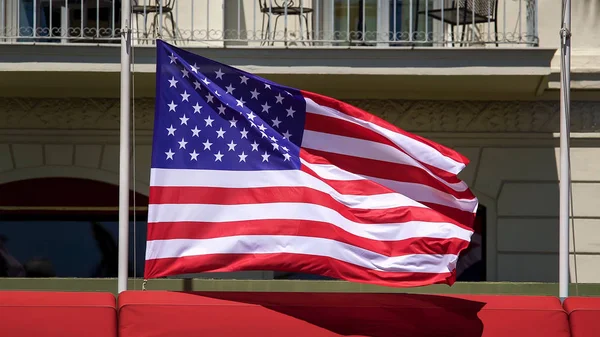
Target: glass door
(363, 22)
(408, 22)
(355, 21)
(32, 18)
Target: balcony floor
(410, 73)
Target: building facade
(494, 100)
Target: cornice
(416, 116)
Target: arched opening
(66, 227)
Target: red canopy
(57, 314)
(161, 313)
(584, 316)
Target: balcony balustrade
(276, 23)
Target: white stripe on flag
(302, 211)
(426, 154)
(367, 149)
(423, 193)
(281, 178)
(272, 244)
(414, 191)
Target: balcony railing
(322, 23)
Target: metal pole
(124, 145)
(565, 176)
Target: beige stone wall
(520, 182)
(513, 149)
(584, 15)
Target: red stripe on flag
(209, 230)
(299, 263)
(336, 126)
(361, 114)
(389, 171)
(359, 186)
(460, 216)
(457, 216)
(236, 196)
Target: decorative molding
(476, 116)
(416, 116)
(70, 113)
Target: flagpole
(565, 176)
(124, 156)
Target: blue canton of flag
(212, 116)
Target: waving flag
(248, 174)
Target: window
(51, 20)
(66, 228)
(68, 246)
(357, 20)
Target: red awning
(57, 314)
(161, 313)
(584, 316)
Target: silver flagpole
(124, 145)
(565, 176)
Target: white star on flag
(171, 130)
(197, 108)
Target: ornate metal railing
(382, 23)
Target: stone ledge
(336, 61)
(110, 285)
(414, 73)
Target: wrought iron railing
(382, 23)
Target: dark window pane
(70, 248)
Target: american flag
(248, 174)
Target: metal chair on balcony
(467, 12)
(159, 9)
(277, 9)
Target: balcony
(277, 23)
(376, 49)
